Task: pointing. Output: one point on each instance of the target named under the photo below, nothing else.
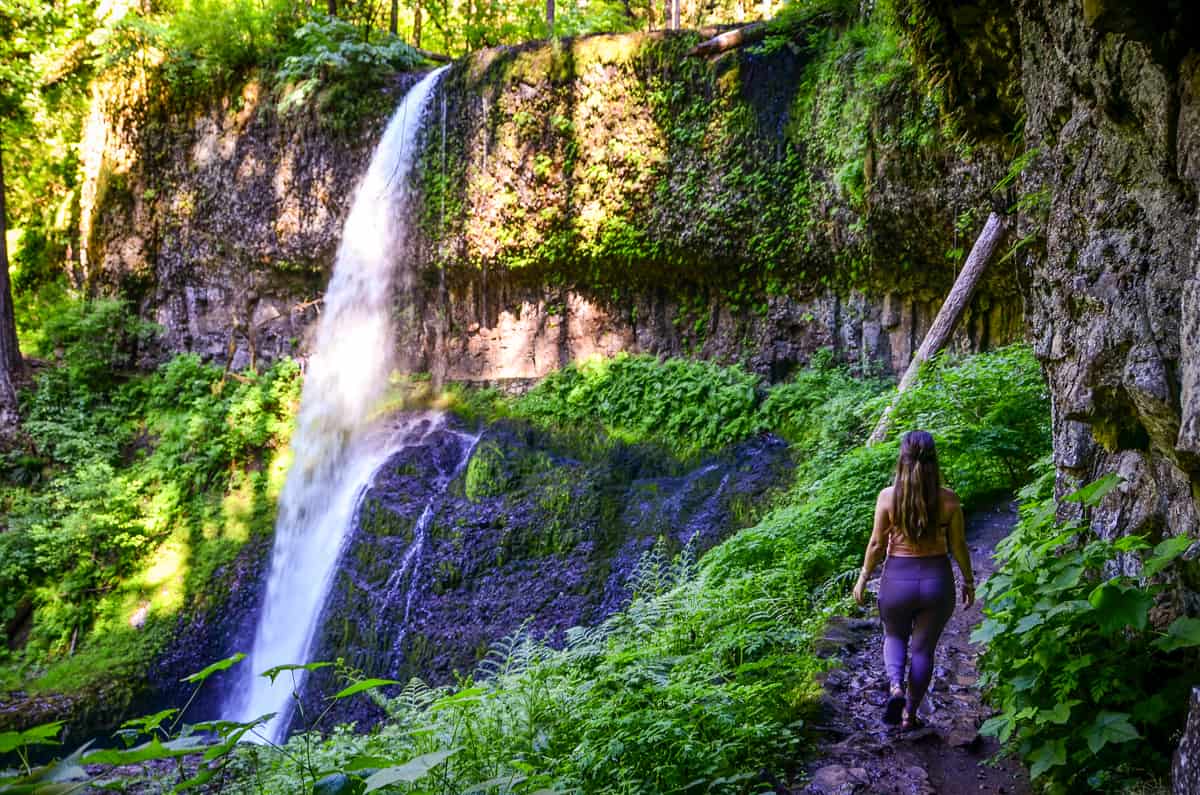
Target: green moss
(487, 474)
(728, 176)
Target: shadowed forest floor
(860, 754)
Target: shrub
(1089, 694)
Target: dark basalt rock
(529, 536)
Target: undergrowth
(1089, 693)
(132, 490)
(706, 678)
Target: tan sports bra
(900, 546)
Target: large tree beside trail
(16, 80)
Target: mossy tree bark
(10, 353)
(749, 34)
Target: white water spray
(338, 445)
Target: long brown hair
(916, 495)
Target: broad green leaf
(1165, 553)
(272, 673)
(1110, 727)
(467, 696)
(228, 662)
(1071, 606)
(155, 749)
(1022, 682)
(1119, 606)
(1052, 754)
(1067, 578)
(412, 770)
(1000, 727)
(44, 734)
(1029, 622)
(366, 684)
(1094, 492)
(1130, 543)
(203, 775)
(1183, 632)
(149, 723)
(367, 763)
(988, 630)
(1060, 714)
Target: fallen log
(949, 315)
(436, 57)
(740, 37)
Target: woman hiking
(917, 523)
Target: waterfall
(338, 444)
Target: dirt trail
(860, 754)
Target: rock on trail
(860, 754)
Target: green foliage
(145, 484)
(212, 42)
(1089, 695)
(335, 62)
(990, 412)
(694, 406)
(706, 678)
(824, 408)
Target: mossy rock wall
(578, 196)
(611, 193)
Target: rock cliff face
(594, 195)
(1108, 212)
(1113, 98)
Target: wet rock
(836, 780)
(529, 533)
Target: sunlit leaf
(1094, 492)
(1165, 553)
(271, 673)
(412, 770)
(45, 734)
(221, 665)
(364, 685)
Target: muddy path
(858, 753)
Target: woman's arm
(958, 548)
(877, 546)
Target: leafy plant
(333, 60)
(1088, 691)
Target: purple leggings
(916, 599)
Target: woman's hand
(968, 594)
(860, 591)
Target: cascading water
(338, 445)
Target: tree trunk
(675, 14)
(550, 18)
(393, 22)
(331, 6)
(727, 41)
(417, 25)
(10, 353)
(9, 418)
(949, 315)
